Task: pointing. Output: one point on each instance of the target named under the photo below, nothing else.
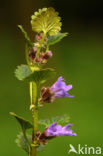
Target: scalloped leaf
(24, 73)
(58, 119)
(46, 20)
(25, 124)
(22, 143)
(28, 41)
(56, 38)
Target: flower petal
(58, 130)
(59, 88)
(69, 125)
(68, 87)
(52, 125)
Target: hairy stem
(34, 107)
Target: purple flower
(49, 53)
(59, 88)
(57, 130)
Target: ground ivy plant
(47, 25)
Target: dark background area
(81, 12)
(78, 58)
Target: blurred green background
(78, 58)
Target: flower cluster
(41, 59)
(39, 37)
(57, 90)
(58, 130)
(53, 131)
(44, 54)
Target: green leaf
(24, 73)
(46, 20)
(58, 119)
(28, 41)
(42, 75)
(24, 123)
(21, 141)
(56, 38)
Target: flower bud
(48, 55)
(37, 59)
(43, 139)
(46, 39)
(46, 96)
(32, 54)
(38, 37)
(37, 133)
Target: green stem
(34, 107)
(27, 54)
(47, 48)
(41, 43)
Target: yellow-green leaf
(46, 20)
